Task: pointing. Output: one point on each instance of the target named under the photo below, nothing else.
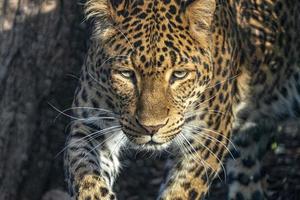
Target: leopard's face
(153, 102)
(158, 68)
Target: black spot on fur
(230, 178)
(186, 186)
(248, 162)
(137, 43)
(192, 194)
(243, 179)
(257, 195)
(239, 196)
(173, 9)
(104, 191)
(84, 95)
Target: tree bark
(42, 46)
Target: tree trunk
(42, 46)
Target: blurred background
(42, 47)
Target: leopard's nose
(151, 130)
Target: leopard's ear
(200, 14)
(105, 14)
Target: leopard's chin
(152, 147)
(149, 145)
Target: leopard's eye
(129, 74)
(178, 75)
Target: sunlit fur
(200, 78)
(152, 97)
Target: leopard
(209, 80)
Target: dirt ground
(142, 174)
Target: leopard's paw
(94, 188)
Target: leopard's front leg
(190, 177)
(91, 164)
(94, 187)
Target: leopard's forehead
(155, 35)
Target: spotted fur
(203, 78)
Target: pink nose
(151, 130)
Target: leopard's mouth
(153, 143)
(150, 142)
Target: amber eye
(178, 75)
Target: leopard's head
(155, 60)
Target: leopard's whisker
(194, 113)
(90, 119)
(211, 152)
(91, 136)
(152, 154)
(195, 157)
(118, 145)
(199, 128)
(206, 100)
(115, 123)
(214, 96)
(207, 136)
(227, 79)
(97, 134)
(204, 109)
(169, 152)
(97, 146)
(90, 108)
(77, 118)
(73, 76)
(197, 153)
(221, 135)
(126, 38)
(101, 132)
